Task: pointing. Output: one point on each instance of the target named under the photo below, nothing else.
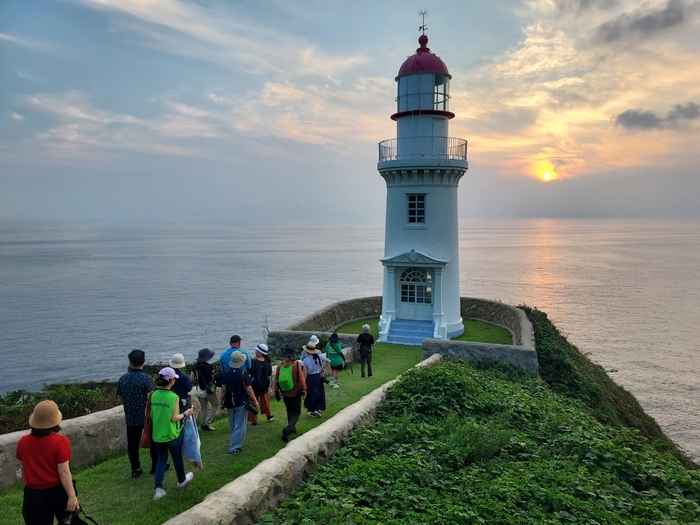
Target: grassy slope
(468, 443)
(570, 373)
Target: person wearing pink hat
(48, 483)
(167, 419)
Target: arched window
(416, 286)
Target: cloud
(638, 119)
(642, 24)
(16, 116)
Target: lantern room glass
(423, 91)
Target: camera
(250, 408)
(325, 380)
(70, 518)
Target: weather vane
(423, 13)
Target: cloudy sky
(230, 110)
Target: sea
(76, 297)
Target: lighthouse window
(416, 208)
(442, 92)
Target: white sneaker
(159, 493)
(188, 478)
(335, 385)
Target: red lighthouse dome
(423, 60)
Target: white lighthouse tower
(422, 167)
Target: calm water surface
(75, 298)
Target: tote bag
(147, 434)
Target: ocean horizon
(78, 296)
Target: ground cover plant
(109, 494)
(570, 373)
(461, 443)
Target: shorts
(339, 368)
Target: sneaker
(285, 434)
(270, 417)
(236, 451)
(370, 375)
(254, 424)
(314, 414)
(207, 427)
(335, 385)
(136, 473)
(159, 493)
(362, 377)
(153, 469)
(184, 483)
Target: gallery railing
(407, 148)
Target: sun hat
(288, 351)
(313, 340)
(168, 373)
(204, 355)
(178, 361)
(235, 339)
(237, 360)
(262, 348)
(45, 415)
(310, 349)
(334, 338)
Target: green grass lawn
(108, 493)
(473, 331)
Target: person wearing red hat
(48, 483)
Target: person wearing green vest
(290, 385)
(166, 422)
(334, 352)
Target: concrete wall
(91, 437)
(496, 312)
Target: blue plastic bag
(191, 442)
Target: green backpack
(286, 377)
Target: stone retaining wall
(91, 437)
(496, 312)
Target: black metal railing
(407, 148)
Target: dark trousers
(175, 449)
(293, 406)
(133, 446)
(42, 505)
(365, 357)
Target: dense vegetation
(485, 443)
(74, 400)
(568, 372)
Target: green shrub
(505, 450)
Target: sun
(547, 175)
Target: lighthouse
(422, 168)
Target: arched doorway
(416, 294)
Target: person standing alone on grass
(364, 344)
(133, 388)
(235, 393)
(260, 373)
(203, 376)
(290, 385)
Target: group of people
(243, 388)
